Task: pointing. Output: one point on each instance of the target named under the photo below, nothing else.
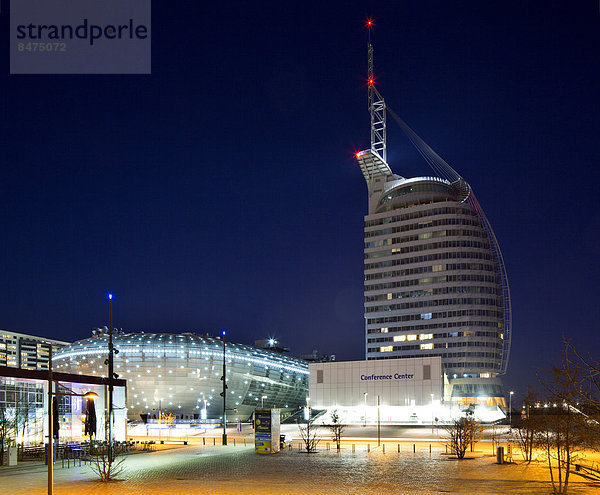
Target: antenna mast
(376, 109)
(373, 162)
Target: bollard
(368, 448)
(203, 441)
(398, 448)
(446, 448)
(234, 442)
(414, 448)
(353, 448)
(383, 446)
(244, 442)
(327, 446)
(430, 448)
(214, 441)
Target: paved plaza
(238, 470)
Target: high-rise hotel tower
(435, 283)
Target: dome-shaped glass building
(181, 373)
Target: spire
(373, 162)
(377, 111)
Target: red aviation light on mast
(369, 23)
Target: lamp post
(365, 396)
(262, 401)
(110, 379)
(510, 408)
(224, 393)
(51, 395)
(431, 414)
(378, 424)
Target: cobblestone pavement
(237, 470)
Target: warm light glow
(371, 81)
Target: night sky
(221, 191)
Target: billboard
(266, 431)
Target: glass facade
(181, 374)
(433, 282)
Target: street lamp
(510, 408)
(204, 415)
(378, 424)
(51, 396)
(262, 401)
(431, 414)
(224, 393)
(111, 377)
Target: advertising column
(266, 431)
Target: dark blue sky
(221, 191)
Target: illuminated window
(502, 336)
(389, 296)
(425, 336)
(411, 337)
(384, 330)
(399, 338)
(426, 346)
(426, 316)
(437, 268)
(387, 348)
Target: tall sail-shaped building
(435, 282)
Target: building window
(411, 337)
(426, 346)
(399, 338)
(319, 376)
(387, 348)
(426, 372)
(384, 330)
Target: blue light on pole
(223, 332)
(110, 296)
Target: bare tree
(583, 375)
(310, 435)
(106, 467)
(336, 428)
(527, 429)
(565, 429)
(6, 430)
(462, 433)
